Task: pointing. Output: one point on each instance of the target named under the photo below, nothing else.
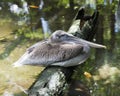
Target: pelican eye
(63, 35)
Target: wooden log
(53, 80)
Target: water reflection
(118, 18)
(45, 24)
(17, 10)
(45, 27)
(56, 15)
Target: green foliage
(100, 1)
(47, 8)
(26, 32)
(63, 2)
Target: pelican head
(61, 36)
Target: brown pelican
(61, 49)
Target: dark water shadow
(10, 47)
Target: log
(54, 80)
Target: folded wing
(45, 53)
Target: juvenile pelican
(61, 49)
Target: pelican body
(61, 49)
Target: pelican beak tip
(105, 47)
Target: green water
(11, 49)
(17, 34)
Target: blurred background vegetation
(24, 22)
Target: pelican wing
(45, 53)
(30, 49)
(51, 53)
